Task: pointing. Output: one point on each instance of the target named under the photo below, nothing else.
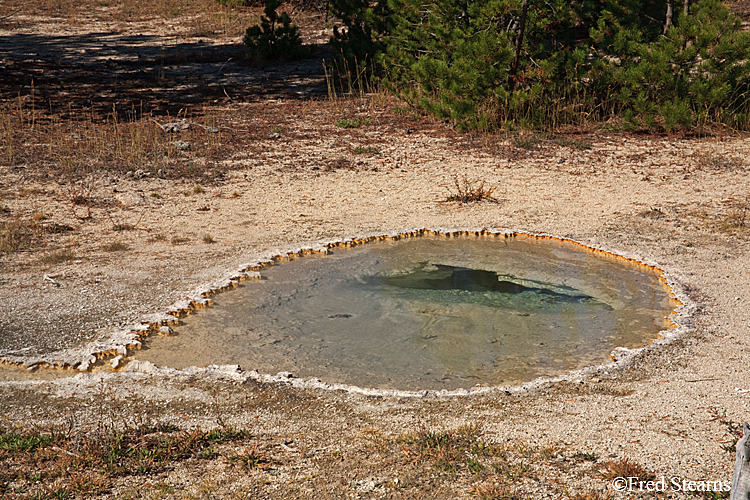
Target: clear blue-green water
(426, 313)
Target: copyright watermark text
(664, 483)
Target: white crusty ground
(667, 410)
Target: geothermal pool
(426, 312)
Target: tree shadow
(103, 71)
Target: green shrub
(276, 37)
(484, 65)
(365, 23)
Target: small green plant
(58, 228)
(579, 144)
(470, 191)
(26, 442)
(207, 238)
(366, 150)
(448, 450)
(250, 458)
(353, 123)
(276, 37)
(526, 141)
(198, 190)
(585, 457)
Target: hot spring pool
(426, 312)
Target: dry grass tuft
(470, 191)
(626, 468)
(19, 234)
(116, 246)
(60, 256)
(494, 491)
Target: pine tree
(276, 36)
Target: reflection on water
(426, 313)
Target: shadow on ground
(102, 70)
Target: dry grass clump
(626, 468)
(739, 214)
(470, 191)
(116, 246)
(60, 256)
(80, 145)
(19, 234)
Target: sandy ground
(681, 203)
(666, 200)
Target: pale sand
(663, 200)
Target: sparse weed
(352, 123)
(585, 457)
(60, 256)
(368, 150)
(719, 162)
(116, 246)
(493, 491)
(448, 450)
(250, 458)
(593, 495)
(58, 228)
(18, 234)
(652, 213)
(339, 163)
(207, 238)
(526, 141)
(470, 191)
(198, 190)
(580, 144)
(626, 468)
(739, 214)
(83, 464)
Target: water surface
(426, 313)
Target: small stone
(176, 126)
(165, 331)
(181, 145)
